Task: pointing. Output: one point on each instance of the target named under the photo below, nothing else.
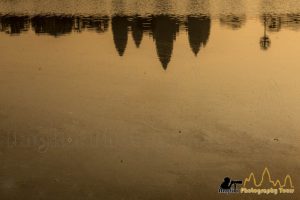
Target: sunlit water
(147, 99)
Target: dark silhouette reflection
(52, 25)
(198, 28)
(14, 24)
(265, 41)
(164, 29)
(120, 25)
(233, 21)
(60, 25)
(137, 29)
(272, 23)
(95, 23)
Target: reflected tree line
(162, 28)
(274, 23)
(52, 25)
(271, 22)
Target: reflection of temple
(198, 28)
(120, 25)
(164, 29)
(14, 24)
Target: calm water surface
(147, 99)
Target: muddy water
(147, 100)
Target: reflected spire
(164, 29)
(198, 28)
(137, 30)
(120, 25)
(120, 32)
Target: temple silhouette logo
(261, 184)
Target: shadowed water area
(132, 99)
